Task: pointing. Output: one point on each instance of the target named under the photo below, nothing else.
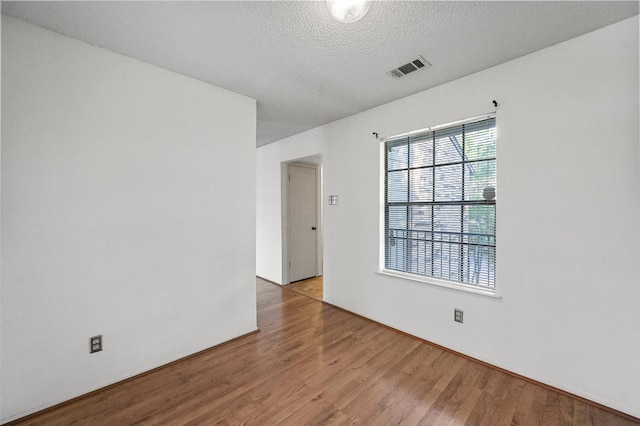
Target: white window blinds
(440, 206)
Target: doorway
(303, 222)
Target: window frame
(426, 278)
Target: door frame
(314, 162)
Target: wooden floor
(311, 287)
(313, 364)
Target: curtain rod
(440, 126)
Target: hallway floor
(311, 287)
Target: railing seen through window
(440, 203)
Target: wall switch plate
(458, 315)
(95, 344)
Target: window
(440, 206)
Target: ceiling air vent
(414, 65)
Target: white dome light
(348, 11)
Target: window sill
(440, 283)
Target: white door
(302, 222)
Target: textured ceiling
(306, 69)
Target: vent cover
(414, 65)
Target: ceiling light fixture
(348, 11)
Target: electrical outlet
(95, 344)
(457, 315)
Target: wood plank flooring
(313, 364)
(311, 287)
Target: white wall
(568, 209)
(128, 210)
